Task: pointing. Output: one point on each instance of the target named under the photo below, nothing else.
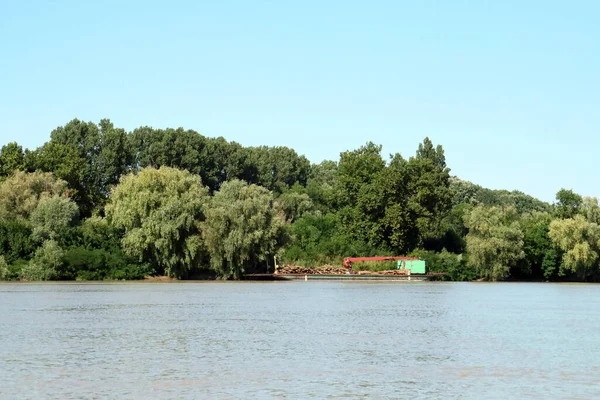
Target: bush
(15, 240)
(84, 264)
(14, 269)
(99, 264)
(131, 272)
(374, 265)
(454, 265)
(3, 268)
(34, 271)
(320, 240)
(47, 261)
(94, 233)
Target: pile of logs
(389, 272)
(324, 270)
(333, 270)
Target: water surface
(299, 340)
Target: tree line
(97, 202)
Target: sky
(510, 89)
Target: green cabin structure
(415, 266)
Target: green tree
(94, 233)
(277, 168)
(494, 241)
(90, 157)
(361, 196)
(21, 193)
(160, 211)
(242, 230)
(464, 192)
(224, 161)
(72, 153)
(469, 193)
(312, 240)
(293, 204)
(114, 157)
(65, 163)
(590, 209)
(428, 188)
(321, 186)
(176, 148)
(399, 206)
(322, 239)
(454, 230)
(52, 218)
(579, 239)
(542, 258)
(397, 228)
(567, 204)
(214, 159)
(15, 239)
(12, 158)
(356, 169)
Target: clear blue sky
(511, 89)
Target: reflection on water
(299, 340)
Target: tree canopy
(579, 239)
(12, 158)
(99, 202)
(494, 241)
(160, 211)
(22, 191)
(242, 228)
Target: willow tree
(494, 241)
(590, 209)
(580, 241)
(293, 204)
(160, 211)
(21, 193)
(53, 217)
(242, 229)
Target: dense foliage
(160, 211)
(97, 202)
(242, 229)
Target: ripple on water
(299, 340)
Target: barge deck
(338, 277)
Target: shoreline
(254, 281)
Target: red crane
(349, 260)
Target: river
(299, 340)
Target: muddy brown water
(300, 340)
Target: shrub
(15, 240)
(47, 261)
(454, 265)
(94, 233)
(99, 264)
(34, 271)
(14, 269)
(3, 268)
